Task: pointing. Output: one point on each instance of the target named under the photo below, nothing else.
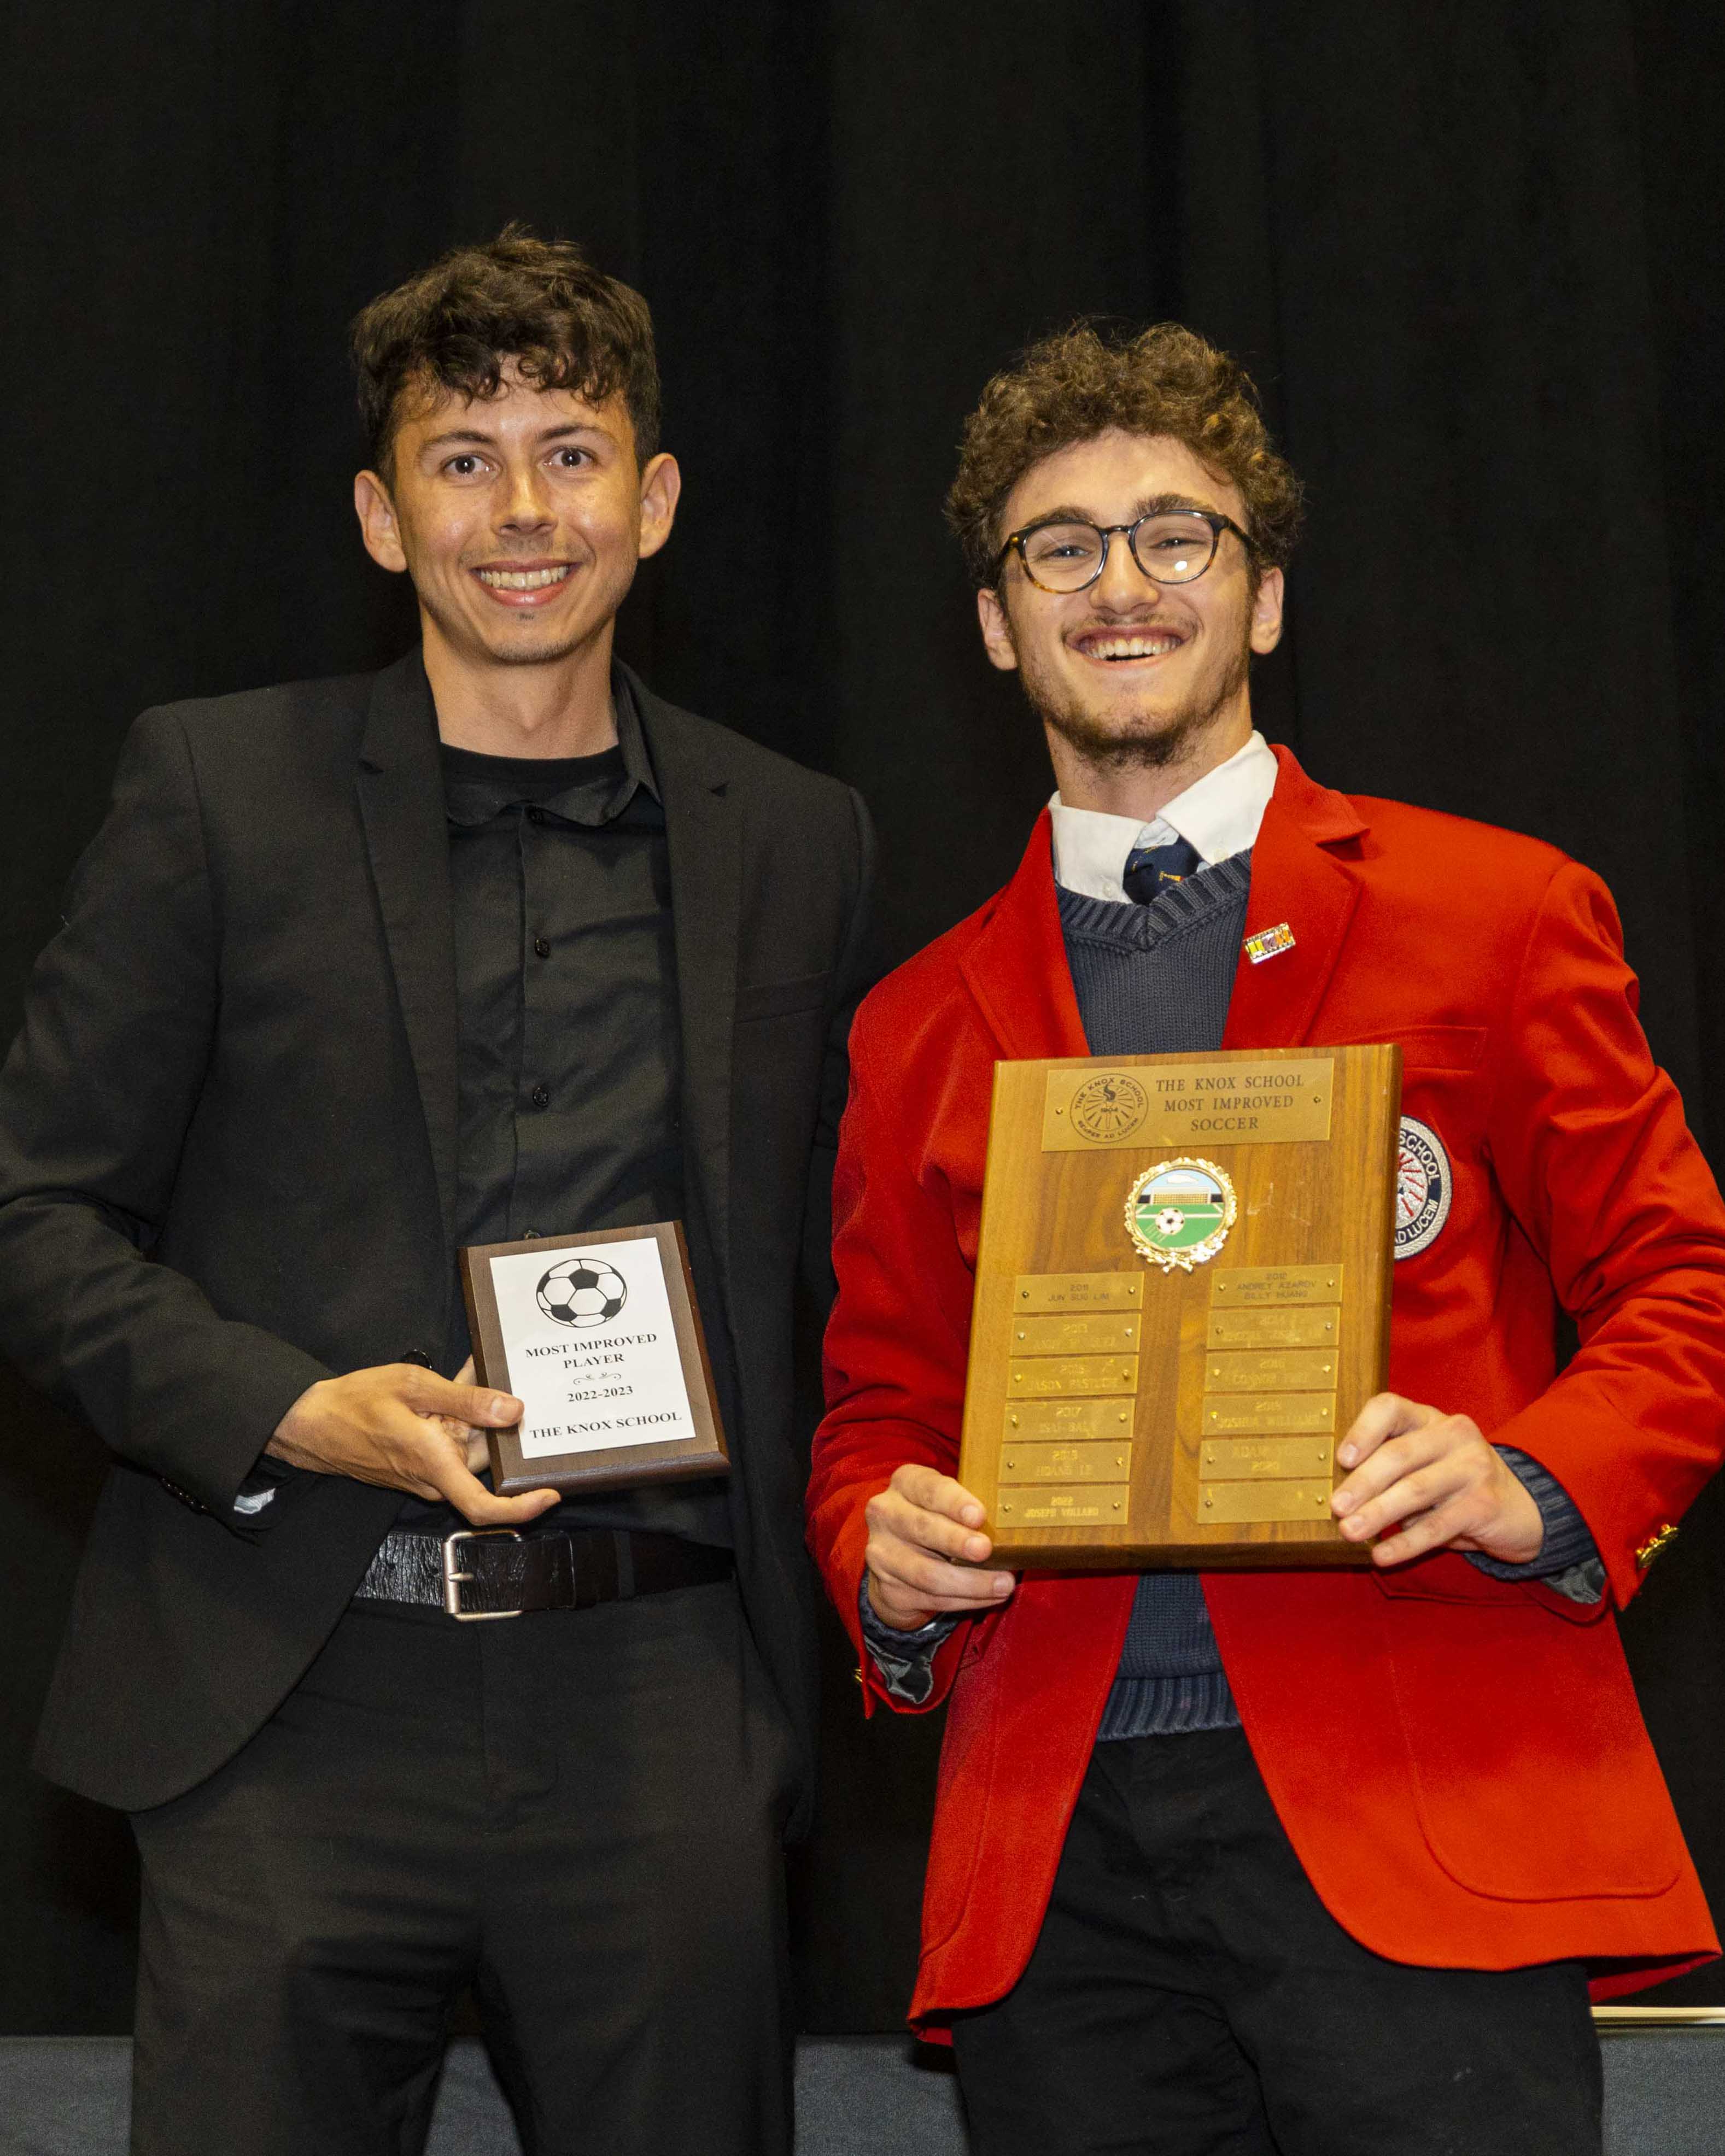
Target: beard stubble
(1143, 742)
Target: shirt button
(541, 1097)
(542, 947)
(536, 815)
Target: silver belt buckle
(453, 1578)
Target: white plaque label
(593, 1352)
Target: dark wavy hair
(1082, 383)
(539, 302)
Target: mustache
(1136, 743)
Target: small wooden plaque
(599, 1335)
(1182, 1303)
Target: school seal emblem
(1423, 1186)
(1179, 1212)
(1107, 1109)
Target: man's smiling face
(520, 517)
(1129, 671)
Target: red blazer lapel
(1017, 967)
(1296, 882)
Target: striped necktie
(1150, 869)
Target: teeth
(522, 580)
(1134, 647)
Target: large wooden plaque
(1182, 1303)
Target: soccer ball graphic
(1170, 1221)
(582, 1291)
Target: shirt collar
(476, 800)
(1217, 815)
(631, 739)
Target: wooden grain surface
(1060, 1210)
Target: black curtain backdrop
(1471, 252)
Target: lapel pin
(1268, 942)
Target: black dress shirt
(570, 1051)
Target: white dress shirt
(1218, 816)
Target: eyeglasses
(1170, 545)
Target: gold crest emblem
(1179, 1212)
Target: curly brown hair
(1082, 382)
(539, 302)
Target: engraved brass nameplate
(1271, 1370)
(1263, 1459)
(1106, 1505)
(1274, 1328)
(1236, 1504)
(1098, 1330)
(1078, 1292)
(1284, 1414)
(1073, 1421)
(1252, 1102)
(1072, 1373)
(1065, 1463)
(1257, 1287)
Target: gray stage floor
(866, 2096)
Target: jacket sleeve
(896, 1352)
(96, 1100)
(1589, 1145)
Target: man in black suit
(491, 944)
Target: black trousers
(579, 1814)
(1189, 1995)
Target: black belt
(494, 1572)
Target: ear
(661, 488)
(1266, 612)
(377, 524)
(996, 629)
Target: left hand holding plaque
(599, 1337)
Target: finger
(1384, 1416)
(936, 1492)
(480, 1508)
(470, 1445)
(1432, 1530)
(1396, 1457)
(464, 1376)
(1413, 1494)
(892, 1514)
(907, 1610)
(932, 1581)
(909, 1613)
(1449, 1448)
(430, 1394)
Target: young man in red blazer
(1314, 1862)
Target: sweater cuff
(905, 1660)
(1568, 1559)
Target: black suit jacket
(227, 1158)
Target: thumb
(482, 1405)
(470, 1403)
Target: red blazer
(1460, 1762)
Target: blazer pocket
(791, 999)
(1447, 1577)
(1499, 1709)
(1432, 1047)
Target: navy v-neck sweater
(1156, 980)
